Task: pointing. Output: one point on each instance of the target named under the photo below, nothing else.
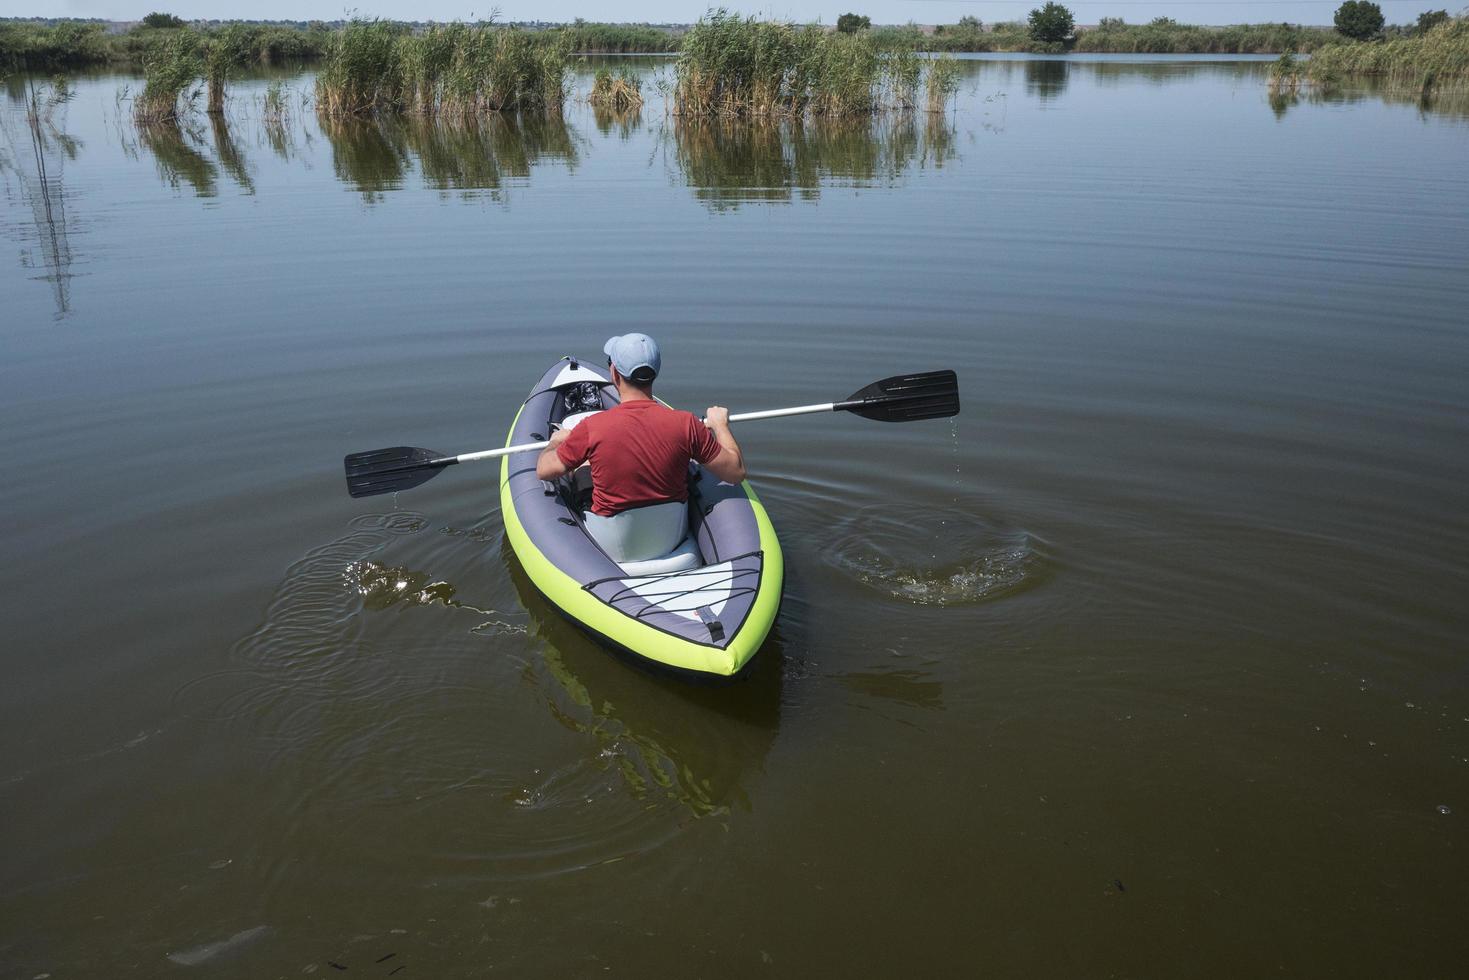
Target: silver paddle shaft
(529, 447)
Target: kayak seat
(642, 533)
(570, 422)
(680, 559)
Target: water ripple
(932, 556)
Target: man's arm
(729, 465)
(548, 464)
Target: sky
(680, 11)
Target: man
(639, 452)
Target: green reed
(739, 66)
(168, 72)
(588, 38)
(1422, 63)
(618, 91)
(1165, 36)
(943, 82)
(70, 44)
(1286, 74)
(374, 66)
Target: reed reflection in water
(33, 160)
(621, 122)
(375, 155)
(1450, 101)
(730, 162)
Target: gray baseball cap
(635, 355)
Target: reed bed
(71, 44)
(617, 91)
(1437, 58)
(1165, 36)
(943, 82)
(738, 66)
(168, 73)
(1286, 75)
(454, 69)
(586, 38)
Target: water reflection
(1047, 79)
(178, 154)
(697, 745)
(33, 162)
(730, 163)
(228, 153)
(621, 122)
(471, 155)
(369, 154)
(1451, 102)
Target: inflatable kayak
(704, 608)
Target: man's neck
(628, 393)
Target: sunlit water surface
(1151, 663)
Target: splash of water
(937, 558)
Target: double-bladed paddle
(901, 398)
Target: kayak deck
(710, 619)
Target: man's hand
(729, 465)
(548, 464)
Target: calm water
(1152, 663)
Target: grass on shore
(76, 44)
(1436, 59)
(1112, 36)
(585, 38)
(1165, 36)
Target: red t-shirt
(640, 452)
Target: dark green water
(1152, 663)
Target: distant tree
(852, 23)
(1111, 24)
(1360, 20)
(1428, 20)
(1162, 22)
(972, 23)
(1051, 23)
(156, 19)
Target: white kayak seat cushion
(571, 421)
(681, 559)
(641, 533)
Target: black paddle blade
(391, 470)
(907, 398)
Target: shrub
(1430, 19)
(852, 23)
(1359, 19)
(1051, 24)
(158, 20)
